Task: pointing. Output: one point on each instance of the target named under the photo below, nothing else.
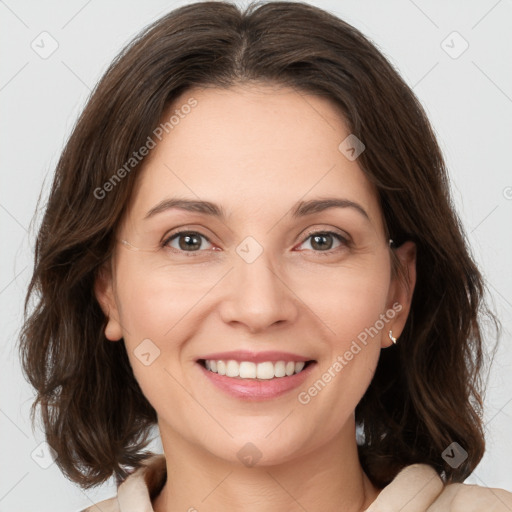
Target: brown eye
(322, 241)
(188, 241)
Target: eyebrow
(301, 209)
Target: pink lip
(254, 389)
(255, 357)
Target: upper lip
(255, 357)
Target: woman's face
(266, 281)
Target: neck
(327, 478)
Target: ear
(104, 292)
(401, 290)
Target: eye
(192, 241)
(188, 241)
(322, 241)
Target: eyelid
(184, 228)
(330, 230)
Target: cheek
(155, 298)
(158, 308)
(153, 317)
(350, 300)
(350, 310)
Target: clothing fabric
(417, 488)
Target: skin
(256, 151)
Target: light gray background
(468, 99)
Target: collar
(140, 488)
(416, 486)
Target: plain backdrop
(455, 55)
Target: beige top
(417, 488)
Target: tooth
(265, 370)
(232, 369)
(280, 369)
(247, 370)
(290, 368)
(221, 367)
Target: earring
(392, 338)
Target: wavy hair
(426, 392)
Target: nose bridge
(259, 296)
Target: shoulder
(136, 491)
(418, 487)
(472, 498)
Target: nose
(258, 297)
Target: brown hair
(426, 392)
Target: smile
(255, 376)
(250, 370)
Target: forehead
(251, 148)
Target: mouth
(255, 377)
(249, 370)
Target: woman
(250, 243)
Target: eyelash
(344, 241)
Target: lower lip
(254, 389)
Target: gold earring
(392, 338)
